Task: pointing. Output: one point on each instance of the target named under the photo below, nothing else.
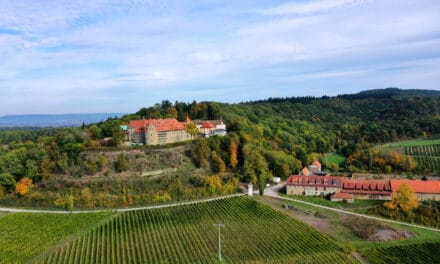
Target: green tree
(121, 164)
(408, 163)
(70, 202)
(102, 162)
(7, 181)
(118, 135)
(176, 189)
(200, 152)
(217, 164)
(46, 168)
(86, 197)
(32, 170)
(214, 184)
(191, 129)
(95, 132)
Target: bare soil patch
(373, 230)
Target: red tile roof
(366, 186)
(213, 122)
(342, 195)
(316, 163)
(170, 124)
(418, 186)
(301, 180)
(207, 124)
(305, 171)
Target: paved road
(273, 192)
(17, 210)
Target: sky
(118, 56)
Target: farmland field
(429, 150)
(401, 145)
(426, 156)
(415, 253)
(253, 233)
(334, 158)
(24, 235)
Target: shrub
(7, 181)
(121, 164)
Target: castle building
(156, 131)
(170, 130)
(210, 128)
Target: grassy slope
(332, 225)
(334, 158)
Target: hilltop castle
(170, 130)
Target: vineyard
(430, 150)
(24, 235)
(415, 253)
(426, 156)
(253, 233)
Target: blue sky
(118, 56)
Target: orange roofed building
(157, 131)
(367, 189)
(208, 128)
(313, 185)
(170, 130)
(340, 196)
(358, 189)
(425, 190)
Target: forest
(273, 137)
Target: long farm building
(349, 189)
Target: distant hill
(62, 120)
(391, 92)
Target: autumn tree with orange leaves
(24, 186)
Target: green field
(399, 146)
(415, 253)
(253, 233)
(24, 235)
(334, 158)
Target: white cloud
(112, 49)
(309, 6)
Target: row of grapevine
(24, 235)
(429, 150)
(253, 233)
(427, 157)
(432, 163)
(415, 253)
